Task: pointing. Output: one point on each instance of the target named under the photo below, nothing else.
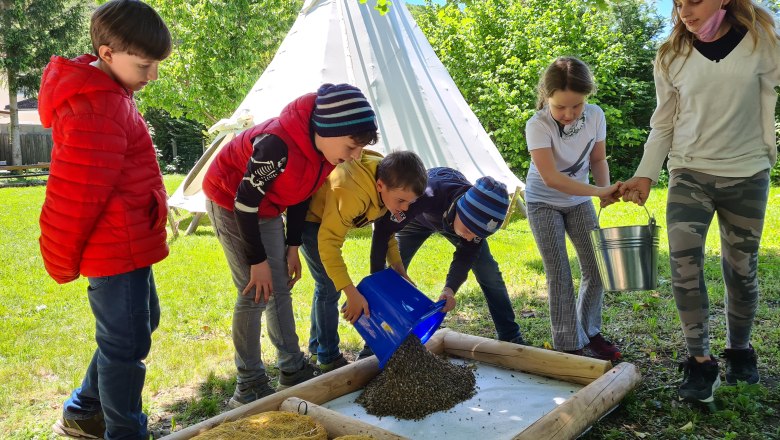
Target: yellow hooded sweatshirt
(348, 199)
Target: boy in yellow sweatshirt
(354, 195)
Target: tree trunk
(16, 141)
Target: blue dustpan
(397, 309)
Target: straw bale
(271, 425)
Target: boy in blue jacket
(465, 215)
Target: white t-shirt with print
(571, 149)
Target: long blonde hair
(741, 13)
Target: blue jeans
(324, 332)
(127, 311)
(485, 269)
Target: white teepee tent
(419, 107)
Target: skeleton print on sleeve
(269, 157)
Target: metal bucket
(627, 256)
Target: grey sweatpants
(280, 321)
(740, 203)
(572, 325)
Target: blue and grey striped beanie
(483, 208)
(342, 110)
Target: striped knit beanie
(342, 110)
(483, 208)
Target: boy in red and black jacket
(268, 169)
(105, 209)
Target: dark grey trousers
(280, 321)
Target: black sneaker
(700, 380)
(307, 371)
(365, 352)
(741, 365)
(91, 428)
(249, 392)
(517, 340)
(337, 363)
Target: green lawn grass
(47, 330)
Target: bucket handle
(650, 218)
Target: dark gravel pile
(415, 383)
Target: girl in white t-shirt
(566, 139)
(715, 79)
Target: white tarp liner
(506, 403)
(419, 107)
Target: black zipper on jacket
(319, 173)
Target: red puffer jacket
(105, 207)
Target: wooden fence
(36, 147)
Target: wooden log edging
(337, 424)
(570, 419)
(319, 390)
(604, 388)
(548, 363)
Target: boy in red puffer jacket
(105, 209)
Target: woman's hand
(636, 189)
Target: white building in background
(36, 140)
(26, 116)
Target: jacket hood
(295, 118)
(64, 78)
(363, 173)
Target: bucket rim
(434, 315)
(599, 228)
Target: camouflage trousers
(740, 203)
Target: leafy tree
(496, 50)
(772, 5)
(220, 49)
(179, 141)
(383, 6)
(32, 31)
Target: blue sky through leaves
(664, 7)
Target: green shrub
(185, 136)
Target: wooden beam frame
(605, 387)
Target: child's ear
(105, 54)
(380, 186)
